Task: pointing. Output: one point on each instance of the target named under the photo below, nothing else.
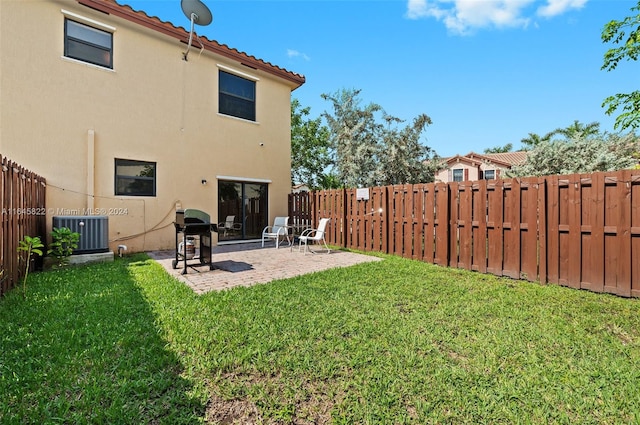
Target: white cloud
(465, 16)
(296, 54)
(558, 7)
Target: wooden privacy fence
(580, 230)
(23, 213)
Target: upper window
(88, 44)
(135, 178)
(457, 175)
(489, 174)
(237, 96)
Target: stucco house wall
(475, 166)
(69, 120)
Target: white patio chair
(314, 235)
(228, 225)
(280, 229)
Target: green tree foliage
(401, 158)
(534, 139)
(578, 129)
(575, 130)
(310, 154)
(625, 34)
(368, 152)
(330, 180)
(580, 155)
(499, 149)
(353, 137)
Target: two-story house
(99, 99)
(474, 166)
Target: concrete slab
(249, 264)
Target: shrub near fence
(23, 212)
(580, 230)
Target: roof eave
(126, 12)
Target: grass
(395, 341)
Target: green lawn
(390, 342)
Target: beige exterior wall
(446, 175)
(68, 121)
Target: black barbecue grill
(193, 224)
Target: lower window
(489, 174)
(135, 178)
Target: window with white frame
(458, 174)
(236, 96)
(88, 44)
(489, 174)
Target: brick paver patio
(249, 264)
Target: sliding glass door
(242, 210)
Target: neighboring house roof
(167, 28)
(507, 159)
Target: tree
(330, 180)
(354, 137)
(500, 149)
(534, 139)
(580, 155)
(402, 159)
(578, 130)
(625, 34)
(369, 152)
(310, 154)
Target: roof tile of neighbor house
(139, 17)
(506, 159)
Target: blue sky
(487, 72)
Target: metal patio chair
(228, 225)
(280, 229)
(314, 235)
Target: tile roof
(507, 158)
(124, 11)
(513, 158)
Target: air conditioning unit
(93, 229)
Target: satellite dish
(198, 13)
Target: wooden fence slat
(511, 229)
(635, 235)
(624, 234)
(593, 210)
(428, 195)
(529, 229)
(408, 234)
(553, 232)
(441, 222)
(542, 231)
(417, 212)
(398, 206)
(495, 235)
(574, 243)
(465, 224)
(454, 211)
(479, 226)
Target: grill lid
(196, 216)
